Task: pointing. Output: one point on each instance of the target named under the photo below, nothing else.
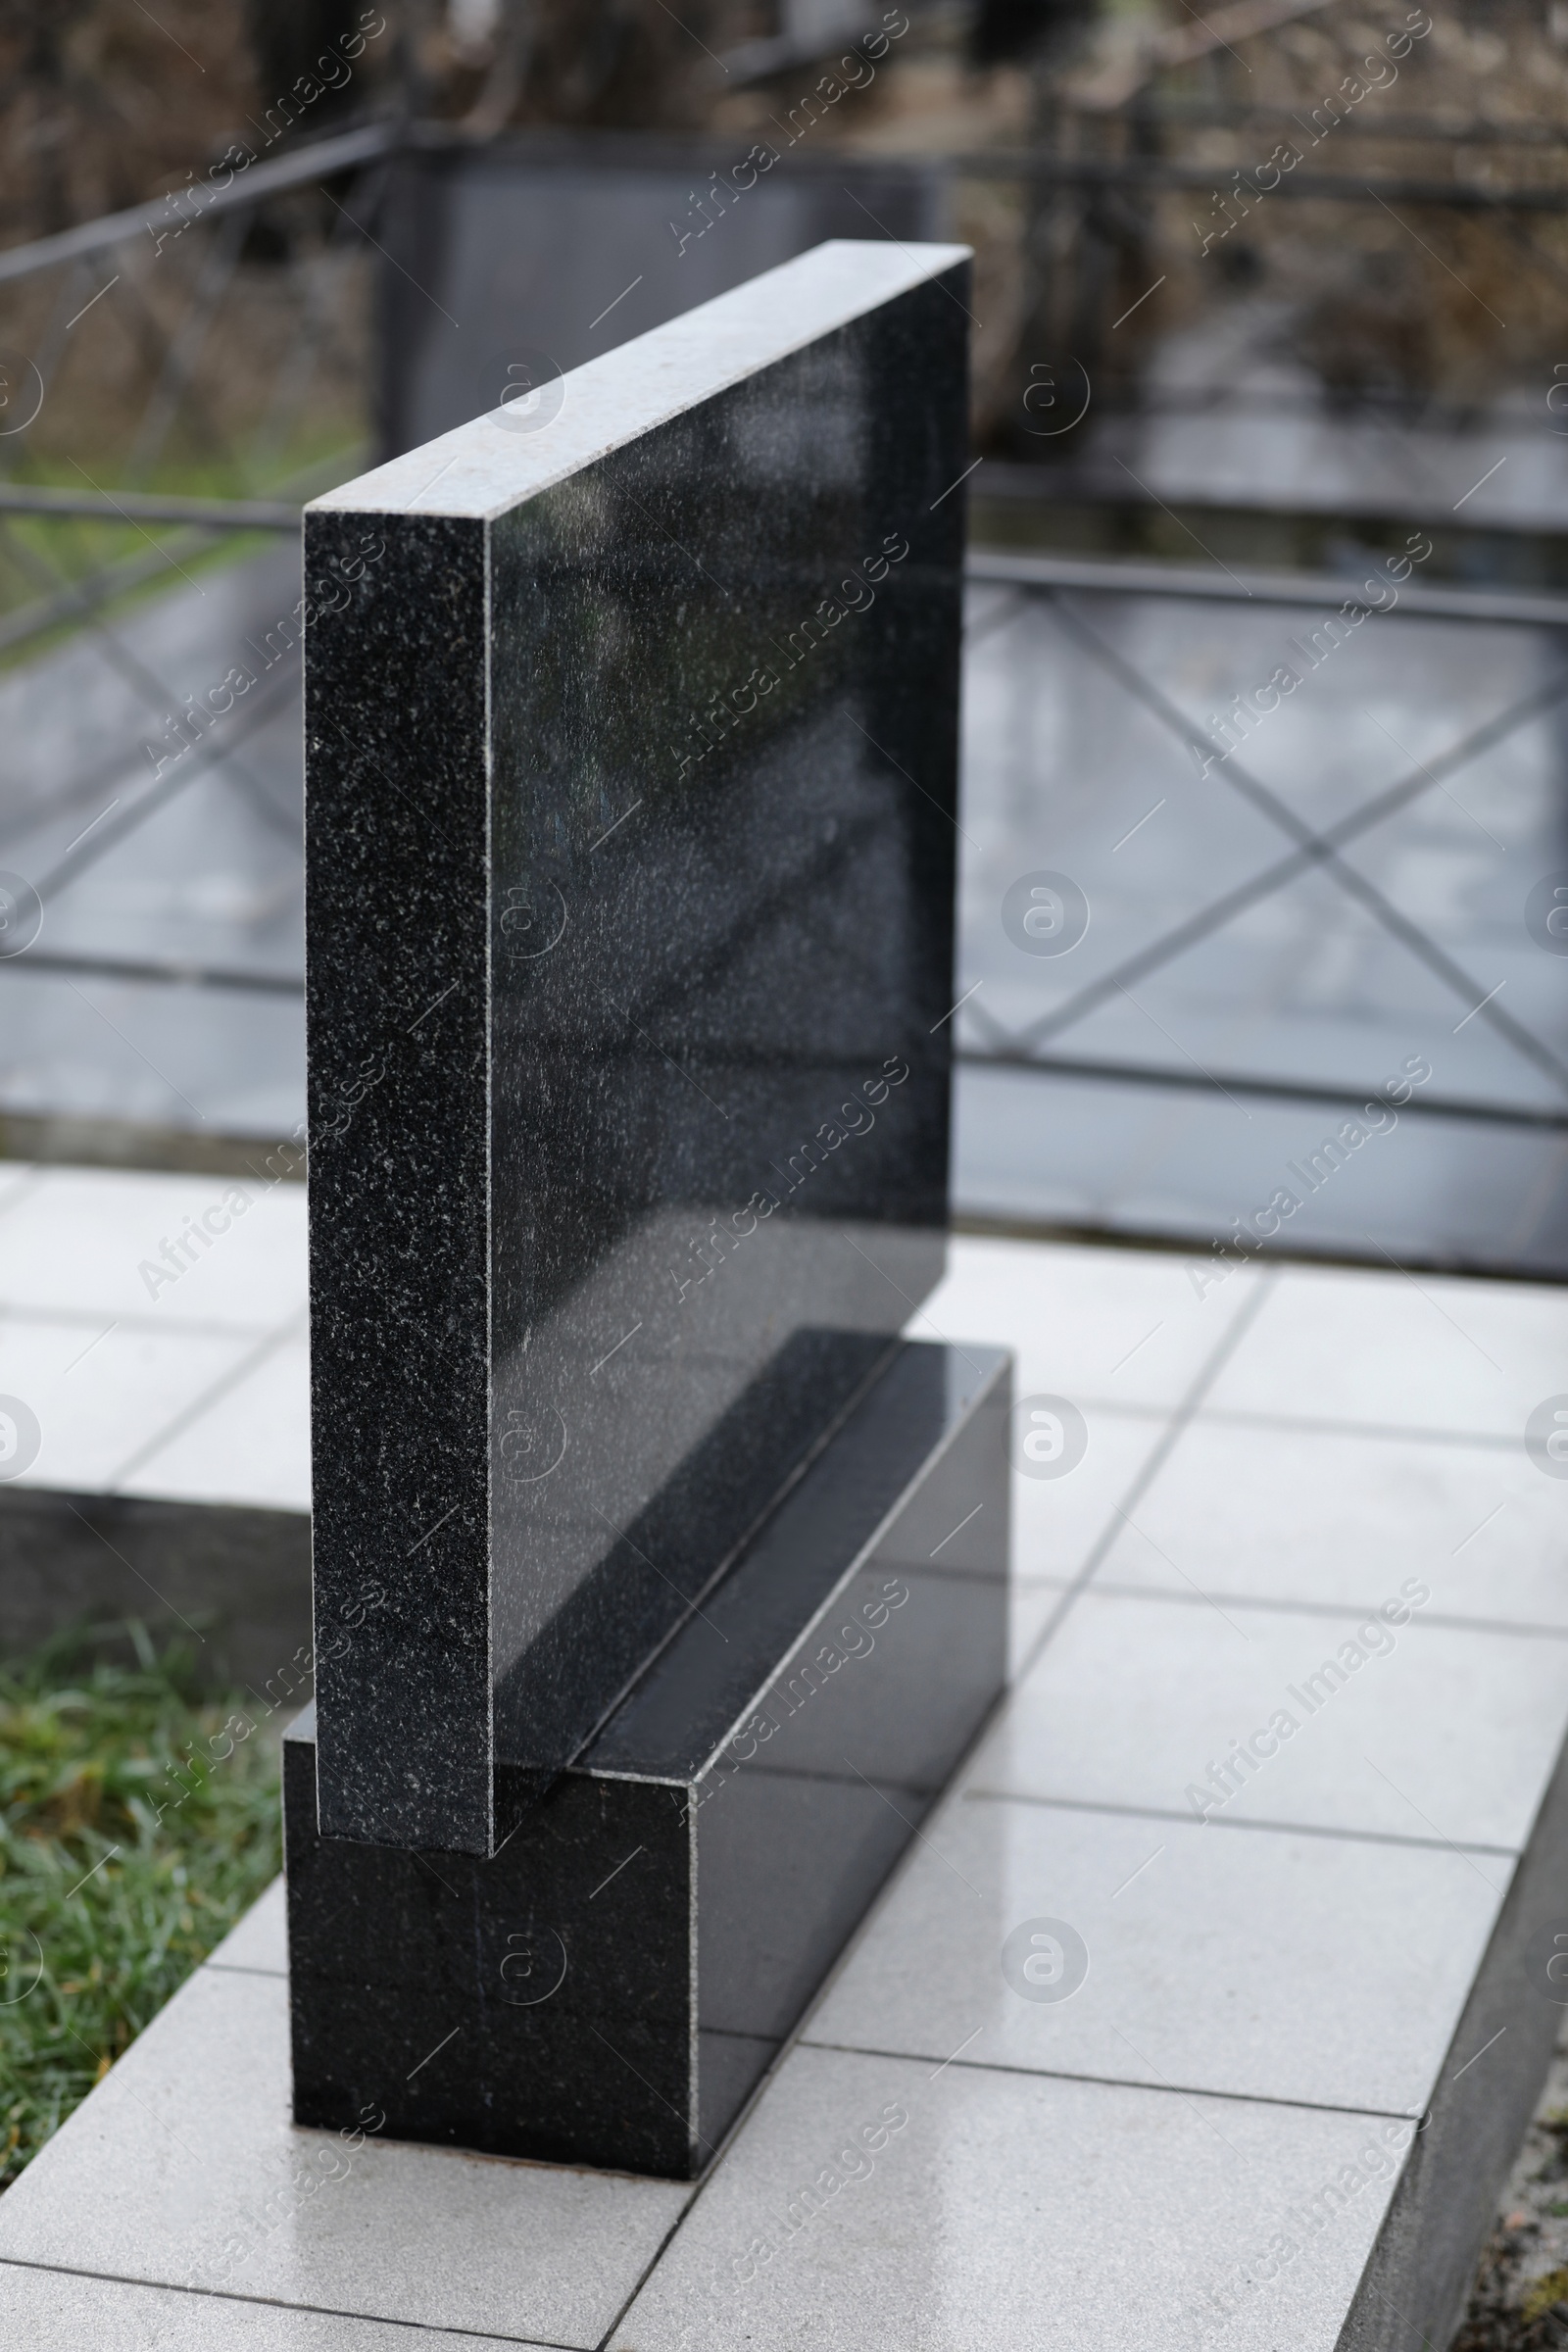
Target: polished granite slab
(630, 862)
(609, 1989)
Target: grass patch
(130, 1844)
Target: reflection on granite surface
(629, 922)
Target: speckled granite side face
(398, 1020)
(631, 848)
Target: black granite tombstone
(659, 1582)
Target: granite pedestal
(630, 866)
(610, 1986)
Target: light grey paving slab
(250, 1445)
(866, 2204)
(260, 1940)
(1250, 1961)
(1114, 1325)
(1422, 1352)
(182, 2167)
(19, 1181)
(80, 1239)
(98, 1393)
(1029, 1603)
(1449, 1734)
(1057, 1521)
(53, 2311)
(1293, 1514)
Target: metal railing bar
(1196, 114)
(1111, 576)
(321, 159)
(176, 975)
(158, 697)
(155, 693)
(1137, 1073)
(1252, 789)
(146, 506)
(1332, 187)
(83, 596)
(1008, 607)
(269, 698)
(1373, 404)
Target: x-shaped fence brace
(1021, 1049)
(1018, 1049)
(60, 599)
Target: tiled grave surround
(188, 1388)
(938, 2163)
(174, 1456)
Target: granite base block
(610, 1986)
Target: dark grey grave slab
(609, 1987)
(532, 255)
(630, 846)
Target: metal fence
(1282, 907)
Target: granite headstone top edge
(481, 469)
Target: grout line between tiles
(1352, 1611)
(1383, 1432)
(1118, 1409)
(225, 1386)
(73, 1318)
(1068, 2074)
(792, 2040)
(664, 2245)
(1284, 1829)
(325, 2310)
(1159, 1456)
(1177, 1421)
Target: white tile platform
(1274, 2113)
(192, 1387)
